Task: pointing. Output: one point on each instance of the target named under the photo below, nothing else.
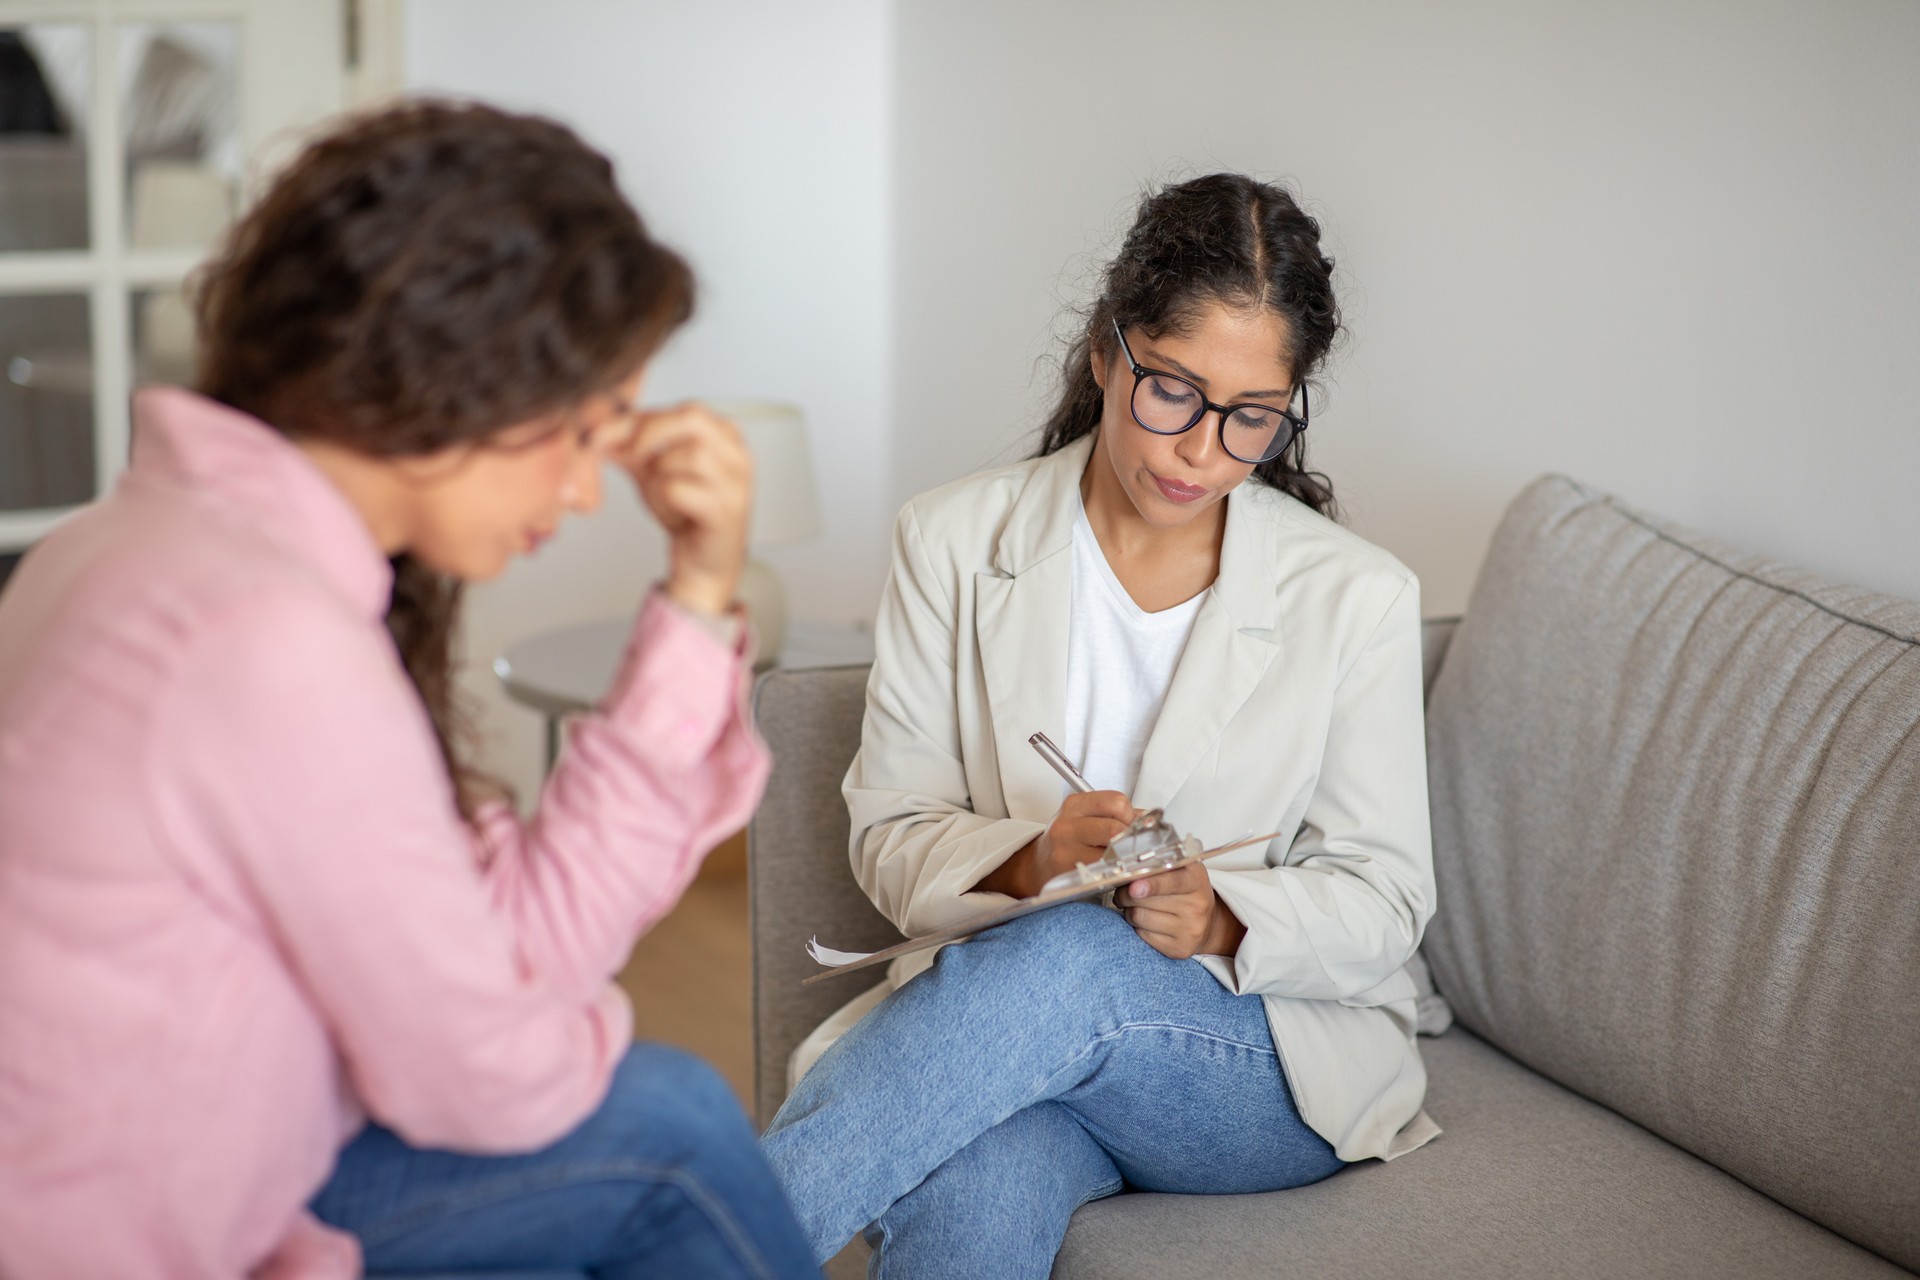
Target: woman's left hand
(1178, 914)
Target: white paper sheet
(829, 957)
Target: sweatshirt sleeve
(668, 766)
(466, 996)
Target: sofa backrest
(1676, 803)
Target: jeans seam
(1102, 1192)
(715, 1210)
(1125, 1027)
(509, 1186)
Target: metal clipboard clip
(1149, 843)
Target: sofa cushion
(1676, 803)
(1528, 1181)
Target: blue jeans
(665, 1179)
(1046, 1063)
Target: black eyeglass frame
(1296, 421)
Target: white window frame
(293, 75)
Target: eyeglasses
(1167, 404)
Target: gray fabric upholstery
(1529, 1181)
(1676, 799)
(1435, 635)
(799, 882)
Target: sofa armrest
(799, 881)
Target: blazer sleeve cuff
(940, 892)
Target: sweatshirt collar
(240, 463)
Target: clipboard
(1089, 880)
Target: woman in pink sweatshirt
(282, 978)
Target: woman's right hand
(695, 475)
(1080, 832)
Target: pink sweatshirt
(239, 913)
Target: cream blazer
(1296, 707)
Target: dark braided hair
(1223, 238)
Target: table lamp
(784, 508)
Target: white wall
(1671, 249)
(753, 136)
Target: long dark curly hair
(1221, 238)
(421, 278)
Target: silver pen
(1061, 765)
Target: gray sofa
(1676, 809)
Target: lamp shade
(785, 509)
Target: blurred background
(1672, 249)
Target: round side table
(567, 670)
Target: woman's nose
(1198, 445)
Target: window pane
(46, 402)
(46, 89)
(163, 344)
(180, 107)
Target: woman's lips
(534, 540)
(1174, 491)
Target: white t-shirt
(1120, 661)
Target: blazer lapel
(1023, 654)
(1235, 639)
(1022, 609)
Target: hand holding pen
(1175, 912)
(1087, 822)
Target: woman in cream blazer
(1294, 707)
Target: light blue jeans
(665, 1179)
(1046, 1063)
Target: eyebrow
(1193, 377)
